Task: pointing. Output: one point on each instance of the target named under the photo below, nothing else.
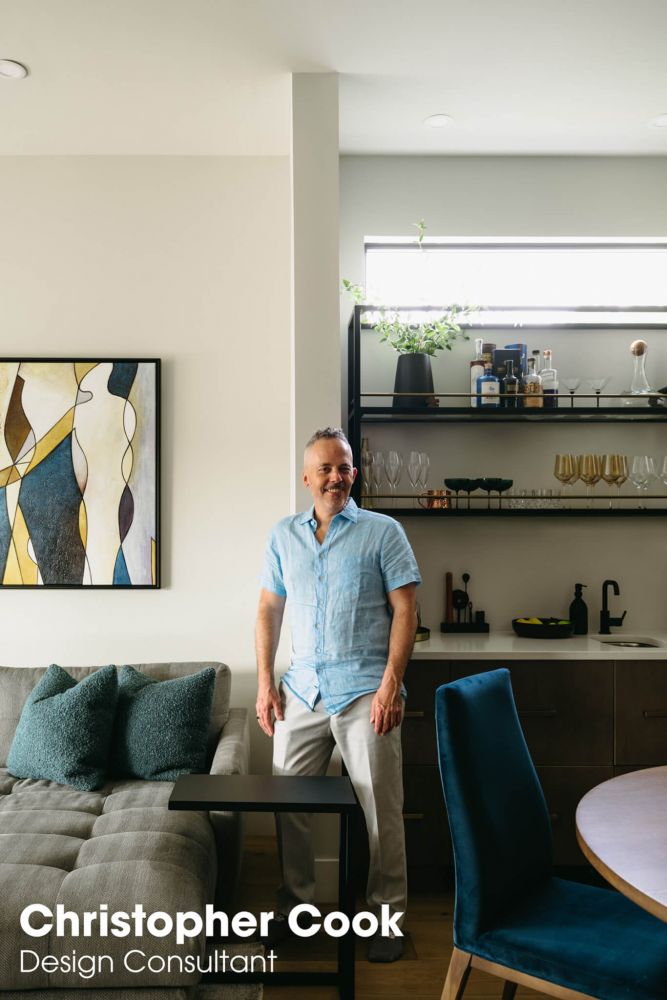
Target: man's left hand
(386, 708)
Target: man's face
(328, 473)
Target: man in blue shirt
(349, 579)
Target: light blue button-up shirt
(337, 599)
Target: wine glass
(611, 468)
(377, 472)
(393, 468)
(425, 467)
(639, 474)
(663, 471)
(622, 473)
(572, 384)
(590, 472)
(414, 472)
(565, 469)
(597, 385)
(651, 471)
(367, 478)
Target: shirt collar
(349, 511)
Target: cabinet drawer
(418, 728)
(641, 712)
(565, 708)
(427, 838)
(563, 788)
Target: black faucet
(605, 618)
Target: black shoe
(278, 930)
(385, 949)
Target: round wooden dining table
(622, 830)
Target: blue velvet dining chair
(512, 917)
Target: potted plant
(414, 342)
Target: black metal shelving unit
(359, 415)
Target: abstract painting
(79, 473)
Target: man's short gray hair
(327, 434)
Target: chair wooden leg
(457, 975)
(509, 989)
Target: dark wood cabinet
(584, 721)
(565, 708)
(641, 713)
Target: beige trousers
(303, 744)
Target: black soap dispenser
(579, 611)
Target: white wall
(521, 566)
(187, 259)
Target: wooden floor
(419, 975)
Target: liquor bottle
(511, 387)
(538, 362)
(532, 388)
(549, 377)
(476, 369)
(488, 387)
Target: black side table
(269, 793)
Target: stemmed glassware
(367, 477)
(425, 467)
(415, 472)
(642, 472)
(393, 468)
(564, 469)
(597, 385)
(622, 473)
(611, 470)
(377, 471)
(663, 471)
(572, 384)
(590, 473)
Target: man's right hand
(268, 707)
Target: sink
(629, 641)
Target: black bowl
(548, 628)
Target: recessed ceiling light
(660, 121)
(438, 121)
(12, 70)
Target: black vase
(413, 374)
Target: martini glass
(572, 384)
(597, 385)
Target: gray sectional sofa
(118, 845)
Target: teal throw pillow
(64, 733)
(161, 727)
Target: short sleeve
(271, 577)
(397, 560)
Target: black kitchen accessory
(579, 612)
(464, 622)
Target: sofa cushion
(120, 846)
(64, 732)
(16, 683)
(161, 727)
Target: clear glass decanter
(640, 384)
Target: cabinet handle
(538, 713)
(655, 713)
(414, 714)
(407, 816)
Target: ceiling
(211, 77)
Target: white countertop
(508, 646)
